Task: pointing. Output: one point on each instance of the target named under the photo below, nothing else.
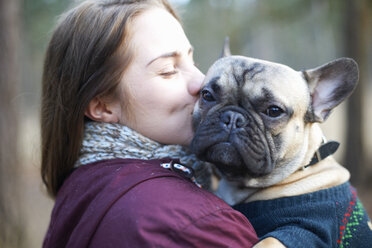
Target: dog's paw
(269, 243)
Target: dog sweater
(332, 217)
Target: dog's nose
(232, 119)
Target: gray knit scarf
(104, 141)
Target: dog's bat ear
(226, 48)
(330, 84)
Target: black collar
(325, 149)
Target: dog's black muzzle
(234, 140)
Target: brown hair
(86, 57)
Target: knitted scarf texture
(104, 141)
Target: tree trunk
(10, 220)
(355, 12)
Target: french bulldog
(258, 123)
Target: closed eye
(169, 73)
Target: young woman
(119, 87)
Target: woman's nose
(195, 82)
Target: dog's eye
(274, 111)
(207, 96)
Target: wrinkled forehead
(249, 69)
(254, 76)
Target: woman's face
(162, 80)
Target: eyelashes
(168, 73)
(175, 67)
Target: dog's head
(253, 118)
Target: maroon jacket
(136, 203)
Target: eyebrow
(170, 55)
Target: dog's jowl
(258, 123)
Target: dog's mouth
(226, 158)
(236, 152)
(237, 162)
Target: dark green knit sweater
(328, 218)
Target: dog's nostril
(226, 118)
(233, 119)
(240, 121)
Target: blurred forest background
(300, 33)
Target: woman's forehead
(157, 32)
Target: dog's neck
(324, 174)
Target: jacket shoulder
(169, 210)
(136, 203)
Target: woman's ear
(103, 111)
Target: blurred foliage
(293, 32)
(39, 18)
(299, 33)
